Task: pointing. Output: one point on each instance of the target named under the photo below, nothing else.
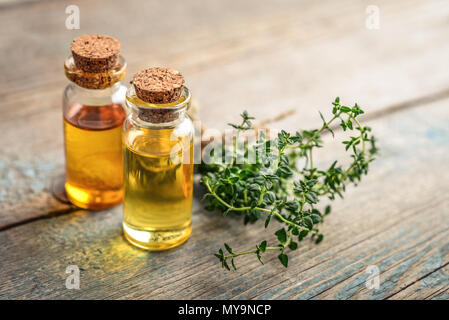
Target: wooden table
(268, 58)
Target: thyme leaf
(274, 188)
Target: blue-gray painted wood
(233, 58)
(387, 221)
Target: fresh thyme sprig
(272, 186)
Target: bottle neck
(97, 81)
(157, 115)
(100, 97)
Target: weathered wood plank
(434, 279)
(396, 219)
(28, 167)
(267, 59)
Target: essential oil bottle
(158, 168)
(93, 117)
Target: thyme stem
(279, 188)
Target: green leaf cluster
(275, 188)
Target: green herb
(272, 186)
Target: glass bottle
(158, 172)
(93, 116)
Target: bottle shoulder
(151, 140)
(75, 94)
(184, 125)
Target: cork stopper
(161, 86)
(158, 85)
(95, 53)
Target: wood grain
(266, 58)
(397, 219)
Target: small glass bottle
(158, 161)
(93, 117)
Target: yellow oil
(94, 155)
(158, 188)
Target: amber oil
(94, 157)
